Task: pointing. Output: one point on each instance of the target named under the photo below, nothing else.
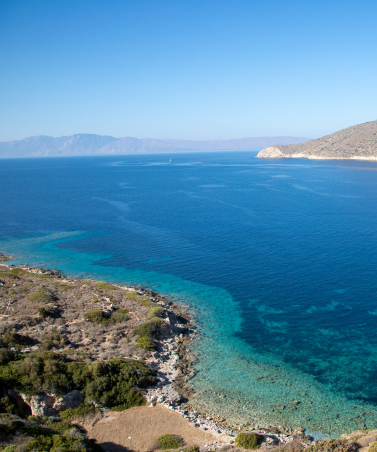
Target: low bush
(48, 312)
(41, 297)
(248, 440)
(8, 275)
(96, 316)
(145, 301)
(79, 411)
(147, 332)
(334, 445)
(118, 317)
(131, 295)
(191, 449)
(155, 313)
(44, 276)
(66, 287)
(372, 447)
(19, 272)
(166, 442)
(105, 286)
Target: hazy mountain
(89, 144)
(356, 142)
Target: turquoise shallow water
(276, 260)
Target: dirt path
(136, 429)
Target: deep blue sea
(276, 259)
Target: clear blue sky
(187, 69)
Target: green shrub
(147, 332)
(5, 356)
(146, 343)
(19, 272)
(248, 440)
(41, 297)
(8, 275)
(191, 449)
(149, 328)
(9, 339)
(44, 276)
(169, 442)
(334, 445)
(131, 295)
(145, 301)
(66, 287)
(79, 411)
(11, 291)
(7, 406)
(119, 317)
(96, 316)
(51, 339)
(48, 312)
(155, 313)
(111, 383)
(105, 286)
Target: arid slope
(356, 142)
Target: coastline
(173, 362)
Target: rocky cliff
(356, 142)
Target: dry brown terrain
(357, 142)
(137, 428)
(64, 325)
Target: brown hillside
(356, 142)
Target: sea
(275, 260)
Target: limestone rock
(41, 405)
(271, 152)
(71, 400)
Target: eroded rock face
(50, 405)
(271, 153)
(71, 400)
(41, 405)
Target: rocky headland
(357, 142)
(86, 365)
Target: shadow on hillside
(112, 447)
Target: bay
(275, 259)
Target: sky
(186, 69)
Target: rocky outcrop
(41, 405)
(271, 152)
(357, 143)
(71, 400)
(49, 404)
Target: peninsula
(357, 142)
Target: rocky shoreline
(171, 357)
(173, 363)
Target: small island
(357, 143)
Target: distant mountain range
(357, 143)
(89, 144)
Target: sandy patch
(136, 429)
